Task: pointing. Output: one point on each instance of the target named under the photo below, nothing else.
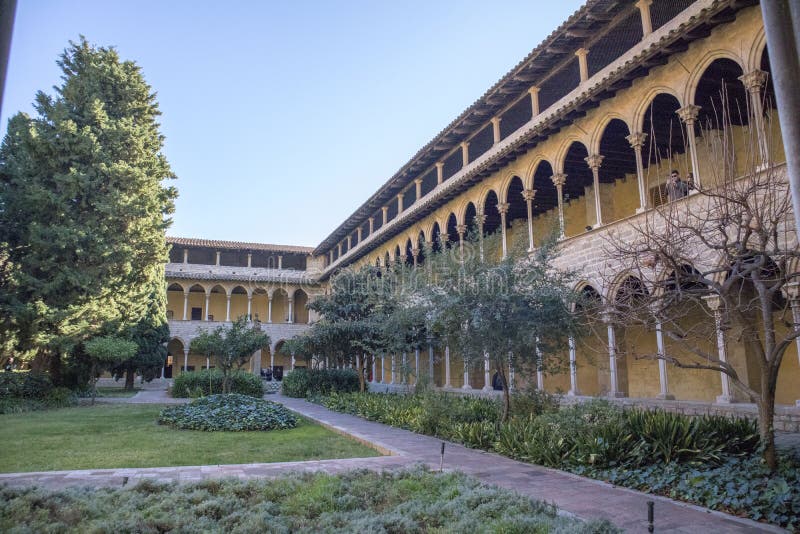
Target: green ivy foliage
(230, 412)
(207, 382)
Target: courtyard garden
(711, 461)
(358, 501)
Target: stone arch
(647, 100)
(175, 286)
(461, 211)
(451, 232)
(506, 183)
(564, 148)
(702, 66)
(600, 128)
(527, 179)
(756, 50)
(300, 306)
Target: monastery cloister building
(579, 138)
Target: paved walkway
(572, 494)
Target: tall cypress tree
(84, 207)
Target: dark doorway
(197, 314)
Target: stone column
(637, 141)
(349, 243)
(249, 259)
(208, 362)
(385, 212)
(293, 361)
(713, 302)
(612, 357)
(559, 180)
(185, 359)
(573, 369)
(487, 381)
(418, 188)
(480, 219)
(495, 130)
(461, 229)
(792, 291)
(359, 235)
(510, 372)
(217, 260)
(688, 115)
(374, 370)
(393, 369)
(415, 254)
(662, 365)
(291, 310)
(466, 384)
(208, 298)
(529, 195)
(330, 253)
(594, 161)
(269, 307)
(280, 258)
(447, 383)
(185, 255)
(583, 65)
(400, 203)
(371, 225)
(539, 373)
(416, 366)
(439, 172)
(339, 250)
(464, 154)
(644, 11)
(186, 305)
(227, 308)
(754, 81)
(502, 208)
(272, 360)
(250, 307)
(404, 369)
(534, 91)
(430, 365)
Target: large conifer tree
(84, 207)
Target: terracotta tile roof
(236, 245)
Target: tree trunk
(225, 385)
(362, 387)
(94, 382)
(130, 374)
(766, 421)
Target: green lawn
(110, 436)
(116, 392)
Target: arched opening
(619, 186)
(398, 255)
(174, 302)
(409, 253)
(579, 208)
(280, 306)
(545, 203)
(724, 150)
(517, 216)
(387, 260)
(591, 351)
(175, 357)
(436, 238)
(281, 362)
(300, 307)
(260, 304)
(665, 147)
(217, 304)
(239, 303)
(452, 231)
(421, 244)
(469, 220)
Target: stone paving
(582, 497)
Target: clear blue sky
(281, 118)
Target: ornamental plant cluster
(356, 501)
(30, 391)
(709, 460)
(301, 383)
(207, 382)
(229, 412)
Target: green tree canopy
(83, 206)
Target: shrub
(231, 412)
(27, 385)
(304, 382)
(56, 398)
(209, 381)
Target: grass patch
(116, 392)
(359, 501)
(115, 436)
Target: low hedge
(231, 412)
(207, 382)
(25, 385)
(302, 383)
(55, 398)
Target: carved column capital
(502, 208)
(559, 179)
(594, 161)
(480, 219)
(754, 80)
(461, 229)
(637, 139)
(688, 114)
(529, 194)
(713, 302)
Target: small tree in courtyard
(729, 256)
(104, 352)
(516, 310)
(231, 347)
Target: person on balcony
(676, 188)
